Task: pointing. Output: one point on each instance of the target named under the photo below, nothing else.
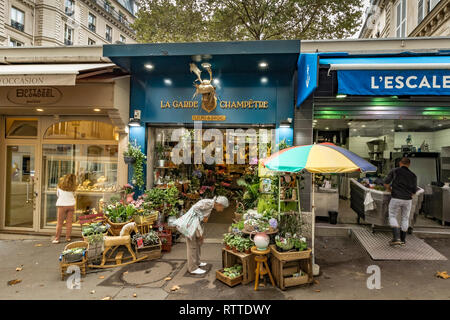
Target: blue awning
(405, 74)
(388, 63)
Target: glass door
(20, 197)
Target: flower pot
(161, 163)
(129, 160)
(235, 250)
(248, 251)
(227, 247)
(261, 240)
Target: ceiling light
(341, 96)
(327, 128)
(264, 80)
(363, 126)
(285, 124)
(40, 110)
(149, 66)
(440, 125)
(97, 110)
(400, 126)
(168, 82)
(349, 123)
(263, 65)
(216, 81)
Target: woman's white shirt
(65, 198)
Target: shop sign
(394, 82)
(37, 80)
(34, 95)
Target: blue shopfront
(221, 85)
(381, 107)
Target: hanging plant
(134, 151)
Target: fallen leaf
(168, 279)
(38, 245)
(13, 282)
(138, 286)
(134, 295)
(175, 288)
(443, 275)
(101, 277)
(107, 298)
(316, 281)
(93, 291)
(19, 269)
(317, 290)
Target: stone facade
(65, 22)
(421, 18)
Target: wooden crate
(283, 270)
(291, 255)
(230, 258)
(152, 252)
(230, 282)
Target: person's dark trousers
(403, 237)
(396, 237)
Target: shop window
(95, 167)
(21, 128)
(81, 130)
(383, 143)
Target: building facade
(66, 22)
(406, 18)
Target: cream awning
(47, 74)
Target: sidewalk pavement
(343, 266)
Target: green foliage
(149, 239)
(117, 212)
(221, 20)
(289, 223)
(282, 145)
(163, 200)
(249, 195)
(135, 152)
(233, 272)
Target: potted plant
(135, 152)
(161, 156)
(128, 188)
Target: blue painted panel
(150, 94)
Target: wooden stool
(261, 265)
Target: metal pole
(313, 222)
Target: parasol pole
(316, 268)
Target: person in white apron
(190, 225)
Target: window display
(95, 167)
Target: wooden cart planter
(286, 265)
(64, 265)
(228, 281)
(152, 252)
(230, 258)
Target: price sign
(140, 242)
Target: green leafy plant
(135, 152)
(160, 151)
(233, 272)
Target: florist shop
(204, 114)
(381, 107)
